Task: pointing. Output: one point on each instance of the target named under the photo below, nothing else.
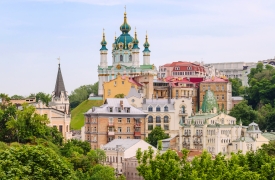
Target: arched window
(121, 57)
(183, 109)
(150, 109)
(166, 108)
(150, 119)
(158, 120)
(166, 119)
(158, 109)
(130, 57)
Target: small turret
(146, 52)
(103, 42)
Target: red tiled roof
(183, 66)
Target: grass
(77, 120)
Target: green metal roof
(146, 66)
(269, 135)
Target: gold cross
(125, 8)
(58, 60)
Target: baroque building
(125, 57)
(218, 132)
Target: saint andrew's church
(125, 57)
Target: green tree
(119, 95)
(45, 98)
(17, 97)
(73, 145)
(155, 135)
(236, 86)
(82, 93)
(97, 156)
(33, 162)
(244, 112)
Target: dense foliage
(253, 165)
(82, 93)
(45, 98)
(155, 135)
(237, 88)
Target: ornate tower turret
(103, 52)
(135, 51)
(146, 52)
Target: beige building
(222, 90)
(115, 119)
(165, 113)
(121, 156)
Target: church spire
(59, 85)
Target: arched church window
(121, 57)
(130, 57)
(150, 119)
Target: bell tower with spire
(103, 52)
(146, 52)
(135, 51)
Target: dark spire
(59, 85)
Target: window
(217, 88)
(119, 109)
(165, 108)
(166, 127)
(111, 109)
(88, 129)
(150, 109)
(130, 57)
(111, 122)
(182, 109)
(128, 137)
(222, 87)
(166, 119)
(119, 129)
(109, 92)
(158, 109)
(150, 127)
(115, 83)
(60, 128)
(121, 57)
(150, 119)
(119, 137)
(94, 129)
(128, 120)
(222, 96)
(122, 82)
(158, 120)
(159, 125)
(127, 110)
(119, 120)
(217, 97)
(133, 100)
(128, 129)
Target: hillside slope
(77, 120)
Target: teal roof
(124, 38)
(146, 45)
(209, 102)
(146, 66)
(269, 135)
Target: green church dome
(125, 27)
(209, 102)
(146, 45)
(103, 42)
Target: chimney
(144, 100)
(121, 104)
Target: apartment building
(115, 119)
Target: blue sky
(33, 33)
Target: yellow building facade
(119, 85)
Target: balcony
(111, 124)
(137, 125)
(111, 133)
(186, 135)
(137, 133)
(182, 113)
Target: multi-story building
(125, 57)
(218, 132)
(233, 69)
(222, 90)
(165, 113)
(121, 155)
(181, 69)
(119, 85)
(115, 119)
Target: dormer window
(166, 108)
(158, 109)
(189, 68)
(127, 110)
(119, 109)
(111, 109)
(150, 109)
